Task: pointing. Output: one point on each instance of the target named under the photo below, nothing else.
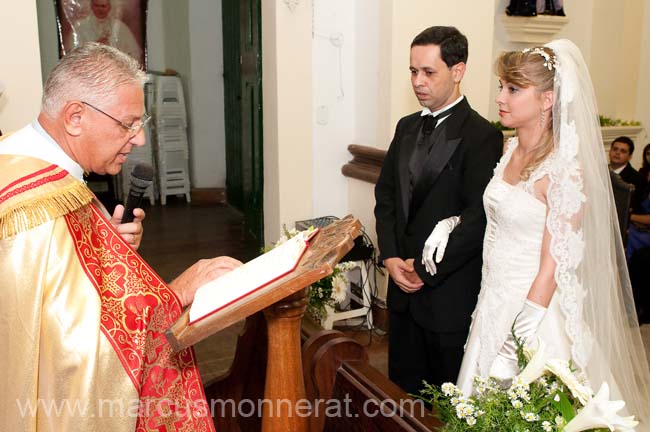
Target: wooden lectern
(283, 303)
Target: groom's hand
(403, 274)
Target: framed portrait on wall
(118, 23)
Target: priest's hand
(403, 274)
(200, 273)
(131, 232)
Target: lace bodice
(511, 254)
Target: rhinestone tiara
(550, 62)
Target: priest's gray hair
(91, 73)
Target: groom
(437, 166)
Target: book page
(249, 277)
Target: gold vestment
(82, 317)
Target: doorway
(242, 60)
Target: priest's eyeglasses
(133, 129)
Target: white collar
(34, 141)
(619, 169)
(427, 111)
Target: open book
(250, 277)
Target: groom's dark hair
(452, 43)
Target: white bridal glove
(505, 365)
(438, 240)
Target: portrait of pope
(118, 23)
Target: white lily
(561, 369)
(600, 412)
(536, 366)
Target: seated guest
(640, 279)
(638, 234)
(645, 165)
(620, 153)
(637, 248)
(83, 316)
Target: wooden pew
(355, 395)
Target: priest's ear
(73, 114)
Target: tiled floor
(178, 234)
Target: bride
(553, 257)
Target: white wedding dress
(590, 319)
(511, 257)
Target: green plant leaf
(565, 407)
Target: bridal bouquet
(327, 292)
(546, 396)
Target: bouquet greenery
(546, 396)
(328, 291)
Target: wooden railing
(365, 164)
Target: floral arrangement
(328, 291)
(606, 121)
(546, 396)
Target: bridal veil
(591, 273)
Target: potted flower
(326, 293)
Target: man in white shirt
(620, 153)
(437, 166)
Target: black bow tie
(430, 121)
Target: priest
(82, 316)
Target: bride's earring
(542, 118)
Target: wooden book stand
(283, 303)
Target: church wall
(20, 65)
(287, 107)
(643, 86)
(208, 122)
(345, 100)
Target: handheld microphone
(141, 178)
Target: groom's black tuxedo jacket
(452, 182)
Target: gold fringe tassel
(32, 213)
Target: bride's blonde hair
(531, 68)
